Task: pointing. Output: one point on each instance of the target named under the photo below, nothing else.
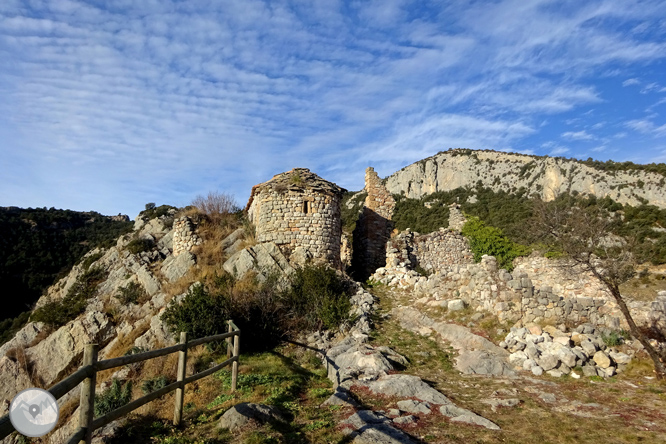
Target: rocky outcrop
(476, 354)
(545, 176)
(41, 355)
(246, 413)
(263, 259)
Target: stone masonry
(184, 237)
(299, 212)
(456, 218)
(374, 226)
(433, 252)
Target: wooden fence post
(87, 398)
(229, 346)
(234, 365)
(180, 391)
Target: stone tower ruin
(299, 212)
(373, 228)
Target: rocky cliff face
(545, 176)
(43, 355)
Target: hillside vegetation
(510, 213)
(39, 245)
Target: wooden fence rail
(87, 375)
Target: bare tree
(216, 205)
(583, 234)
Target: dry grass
(644, 288)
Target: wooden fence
(91, 366)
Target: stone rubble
(558, 353)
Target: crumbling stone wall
(435, 251)
(562, 279)
(512, 296)
(456, 218)
(374, 226)
(184, 237)
(300, 213)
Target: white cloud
(647, 127)
(577, 135)
(629, 82)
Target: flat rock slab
(245, 413)
(409, 386)
(477, 355)
(372, 428)
(406, 386)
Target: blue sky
(108, 105)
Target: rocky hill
(626, 183)
(36, 245)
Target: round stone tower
(299, 212)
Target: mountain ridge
(548, 177)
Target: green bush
(199, 314)
(58, 313)
(491, 241)
(114, 398)
(132, 293)
(151, 211)
(318, 298)
(154, 384)
(137, 246)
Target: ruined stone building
(373, 228)
(300, 213)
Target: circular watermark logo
(34, 412)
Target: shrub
(137, 246)
(58, 313)
(132, 293)
(153, 384)
(318, 298)
(114, 398)
(153, 212)
(491, 241)
(217, 206)
(200, 314)
(89, 260)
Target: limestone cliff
(545, 176)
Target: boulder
(601, 359)
(14, 377)
(456, 305)
(175, 267)
(56, 354)
(263, 259)
(243, 414)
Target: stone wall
(560, 278)
(184, 237)
(513, 296)
(435, 251)
(374, 226)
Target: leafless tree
(583, 234)
(216, 205)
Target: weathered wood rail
(87, 375)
